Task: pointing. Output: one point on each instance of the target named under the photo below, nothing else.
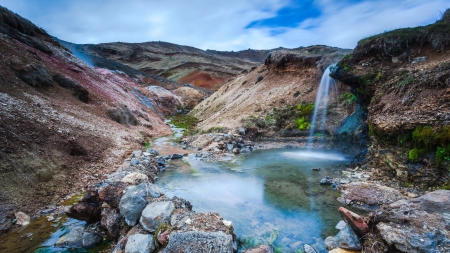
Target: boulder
(330, 242)
(161, 161)
(88, 207)
(236, 150)
(137, 153)
(155, 214)
(347, 239)
(309, 249)
(111, 221)
(354, 220)
(139, 243)
(112, 193)
(176, 156)
(370, 194)
(197, 241)
(135, 199)
(22, 219)
(74, 239)
(134, 178)
(89, 240)
(263, 248)
(434, 202)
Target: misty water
(271, 196)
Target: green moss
(187, 122)
(214, 129)
(305, 109)
(162, 228)
(415, 154)
(348, 98)
(302, 124)
(423, 136)
(443, 153)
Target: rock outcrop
(401, 79)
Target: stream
(271, 196)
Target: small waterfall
(321, 103)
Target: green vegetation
(302, 124)
(168, 73)
(214, 130)
(185, 121)
(348, 98)
(428, 140)
(305, 109)
(162, 228)
(344, 63)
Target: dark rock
(161, 168)
(91, 239)
(259, 79)
(315, 169)
(196, 241)
(122, 115)
(112, 193)
(111, 221)
(139, 243)
(176, 156)
(347, 239)
(78, 91)
(155, 214)
(35, 75)
(88, 208)
(434, 202)
(241, 131)
(134, 161)
(161, 161)
(263, 248)
(236, 151)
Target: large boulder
(111, 221)
(112, 193)
(134, 201)
(370, 195)
(434, 202)
(155, 214)
(139, 243)
(197, 241)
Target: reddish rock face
(88, 208)
(112, 193)
(354, 220)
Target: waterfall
(321, 103)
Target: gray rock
(341, 224)
(155, 214)
(241, 130)
(236, 150)
(434, 202)
(326, 180)
(309, 249)
(176, 156)
(139, 243)
(74, 239)
(90, 239)
(134, 201)
(419, 59)
(347, 239)
(330, 243)
(161, 161)
(137, 153)
(152, 152)
(134, 161)
(263, 248)
(22, 218)
(196, 241)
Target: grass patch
(348, 98)
(186, 122)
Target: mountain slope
(59, 119)
(208, 69)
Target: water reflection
(263, 192)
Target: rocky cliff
(401, 79)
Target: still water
(272, 196)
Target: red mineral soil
(203, 79)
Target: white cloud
(220, 24)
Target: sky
(226, 24)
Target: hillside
(208, 69)
(267, 98)
(402, 81)
(63, 123)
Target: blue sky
(226, 24)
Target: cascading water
(321, 103)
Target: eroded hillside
(63, 123)
(273, 97)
